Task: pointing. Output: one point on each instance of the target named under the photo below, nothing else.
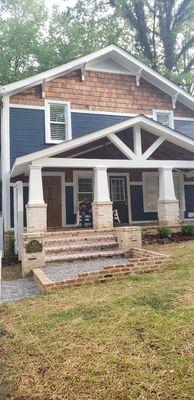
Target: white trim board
(5, 162)
(96, 112)
(127, 60)
(27, 106)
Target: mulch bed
(7, 262)
(174, 238)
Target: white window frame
(47, 121)
(170, 112)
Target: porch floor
(61, 272)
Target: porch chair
(88, 219)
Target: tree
(164, 34)
(21, 34)
(78, 31)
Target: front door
(52, 197)
(118, 195)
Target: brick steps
(62, 248)
(81, 244)
(85, 255)
(78, 240)
(77, 273)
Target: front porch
(140, 168)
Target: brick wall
(103, 92)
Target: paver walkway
(59, 272)
(18, 289)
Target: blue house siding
(27, 128)
(86, 123)
(27, 132)
(185, 127)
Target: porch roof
(22, 163)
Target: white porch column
(36, 208)
(168, 205)
(102, 206)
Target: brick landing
(80, 273)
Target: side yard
(122, 340)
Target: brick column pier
(168, 205)
(102, 206)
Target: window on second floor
(58, 121)
(164, 117)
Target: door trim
(126, 175)
(63, 199)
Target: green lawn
(129, 339)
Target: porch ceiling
(122, 142)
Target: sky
(60, 3)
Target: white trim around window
(67, 122)
(169, 112)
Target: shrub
(11, 248)
(142, 234)
(187, 230)
(164, 232)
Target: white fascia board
(147, 73)
(93, 163)
(54, 72)
(145, 123)
(114, 164)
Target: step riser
(75, 249)
(81, 232)
(77, 241)
(82, 257)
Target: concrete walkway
(18, 289)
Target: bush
(142, 234)
(164, 232)
(11, 248)
(187, 230)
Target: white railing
(18, 216)
(1, 233)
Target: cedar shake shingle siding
(102, 91)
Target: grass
(129, 339)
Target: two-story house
(106, 126)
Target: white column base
(168, 212)
(102, 215)
(36, 217)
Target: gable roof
(151, 126)
(128, 62)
